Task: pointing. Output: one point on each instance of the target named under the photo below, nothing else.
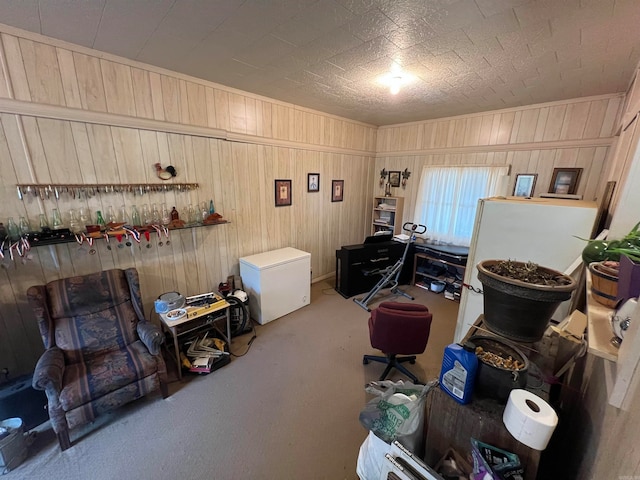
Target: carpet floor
(288, 409)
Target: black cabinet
(357, 266)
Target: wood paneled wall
(603, 433)
(533, 139)
(71, 115)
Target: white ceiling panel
(24, 14)
(54, 19)
(126, 26)
(462, 56)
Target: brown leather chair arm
(49, 371)
(151, 336)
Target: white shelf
(387, 214)
(599, 327)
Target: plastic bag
(492, 463)
(371, 457)
(397, 412)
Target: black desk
(354, 264)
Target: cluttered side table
(450, 425)
(195, 319)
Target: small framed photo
(394, 178)
(283, 193)
(337, 190)
(565, 180)
(313, 182)
(525, 184)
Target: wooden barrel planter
(604, 284)
(519, 310)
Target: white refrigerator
(540, 230)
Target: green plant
(602, 250)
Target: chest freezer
(278, 282)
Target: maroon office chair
(398, 329)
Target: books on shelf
(386, 206)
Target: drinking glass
(135, 216)
(44, 223)
(123, 217)
(56, 219)
(12, 228)
(24, 225)
(111, 214)
(165, 216)
(146, 214)
(74, 223)
(191, 215)
(84, 216)
(155, 214)
(204, 212)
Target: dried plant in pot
(501, 367)
(521, 297)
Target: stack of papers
(203, 352)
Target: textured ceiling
(464, 56)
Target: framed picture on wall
(565, 180)
(337, 190)
(313, 182)
(525, 183)
(394, 178)
(283, 193)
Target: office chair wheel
(365, 361)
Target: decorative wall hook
(405, 175)
(383, 176)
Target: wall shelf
(599, 327)
(621, 365)
(77, 190)
(70, 237)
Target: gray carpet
(286, 410)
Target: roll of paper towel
(529, 419)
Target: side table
(192, 323)
(451, 425)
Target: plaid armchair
(100, 352)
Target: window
(448, 199)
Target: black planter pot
(517, 310)
(497, 382)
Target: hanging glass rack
(54, 190)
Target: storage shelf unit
(387, 214)
(452, 276)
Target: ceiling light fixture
(396, 79)
(395, 84)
